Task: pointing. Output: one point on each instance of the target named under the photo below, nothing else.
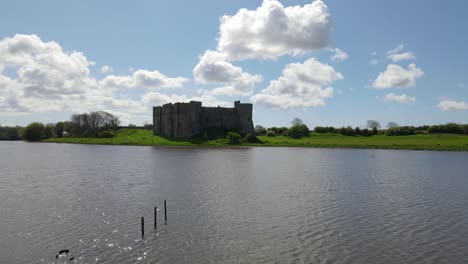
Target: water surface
(252, 205)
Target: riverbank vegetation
(10, 132)
(143, 137)
(103, 128)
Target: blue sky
(154, 48)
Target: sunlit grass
(418, 142)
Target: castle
(182, 120)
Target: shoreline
(246, 146)
(141, 137)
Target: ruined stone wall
(244, 112)
(188, 119)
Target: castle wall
(157, 126)
(244, 112)
(188, 119)
(166, 120)
(219, 117)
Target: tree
(48, 131)
(374, 125)
(233, 138)
(91, 124)
(392, 125)
(33, 132)
(148, 125)
(298, 131)
(260, 130)
(271, 133)
(296, 122)
(59, 129)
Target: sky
(328, 62)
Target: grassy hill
(417, 142)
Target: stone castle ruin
(182, 120)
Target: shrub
(59, 129)
(366, 132)
(278, 130)
(346, 131)
(322, 130)
(251, 139)
(271, 133)
(33, 132)
(107, 134)
(299, 131)
(401, 131)
(233, 138)
(260, 130)
(48, 132)
(451, 128)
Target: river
(245, 205)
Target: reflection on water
(253, 205)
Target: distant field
(417, 142)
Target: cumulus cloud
(273, 30)
(447, 105)
(157, 98)
(106, 69)
(396, 76)
(397, 55)
(403, 98)
(339, 55)
(213, 67)
(143, 79)
(301, 85)
(43, 68)
(41, 77)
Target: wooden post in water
(142, 226)
(165, 211)
(155, 217)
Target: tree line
(372, 128)
(10, 132)
(92, 124)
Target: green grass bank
(446, 142)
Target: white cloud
(301, 85)
(273, 30)
(41, 77)
(156, 98)
(447, 105)
(397, 55)
(213, 67)
(398, 48)
(143, 79)
(402, 56)
(403, 98)
(339, 55)
(106, 69)
(396, 76)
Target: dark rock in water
(62, 252)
